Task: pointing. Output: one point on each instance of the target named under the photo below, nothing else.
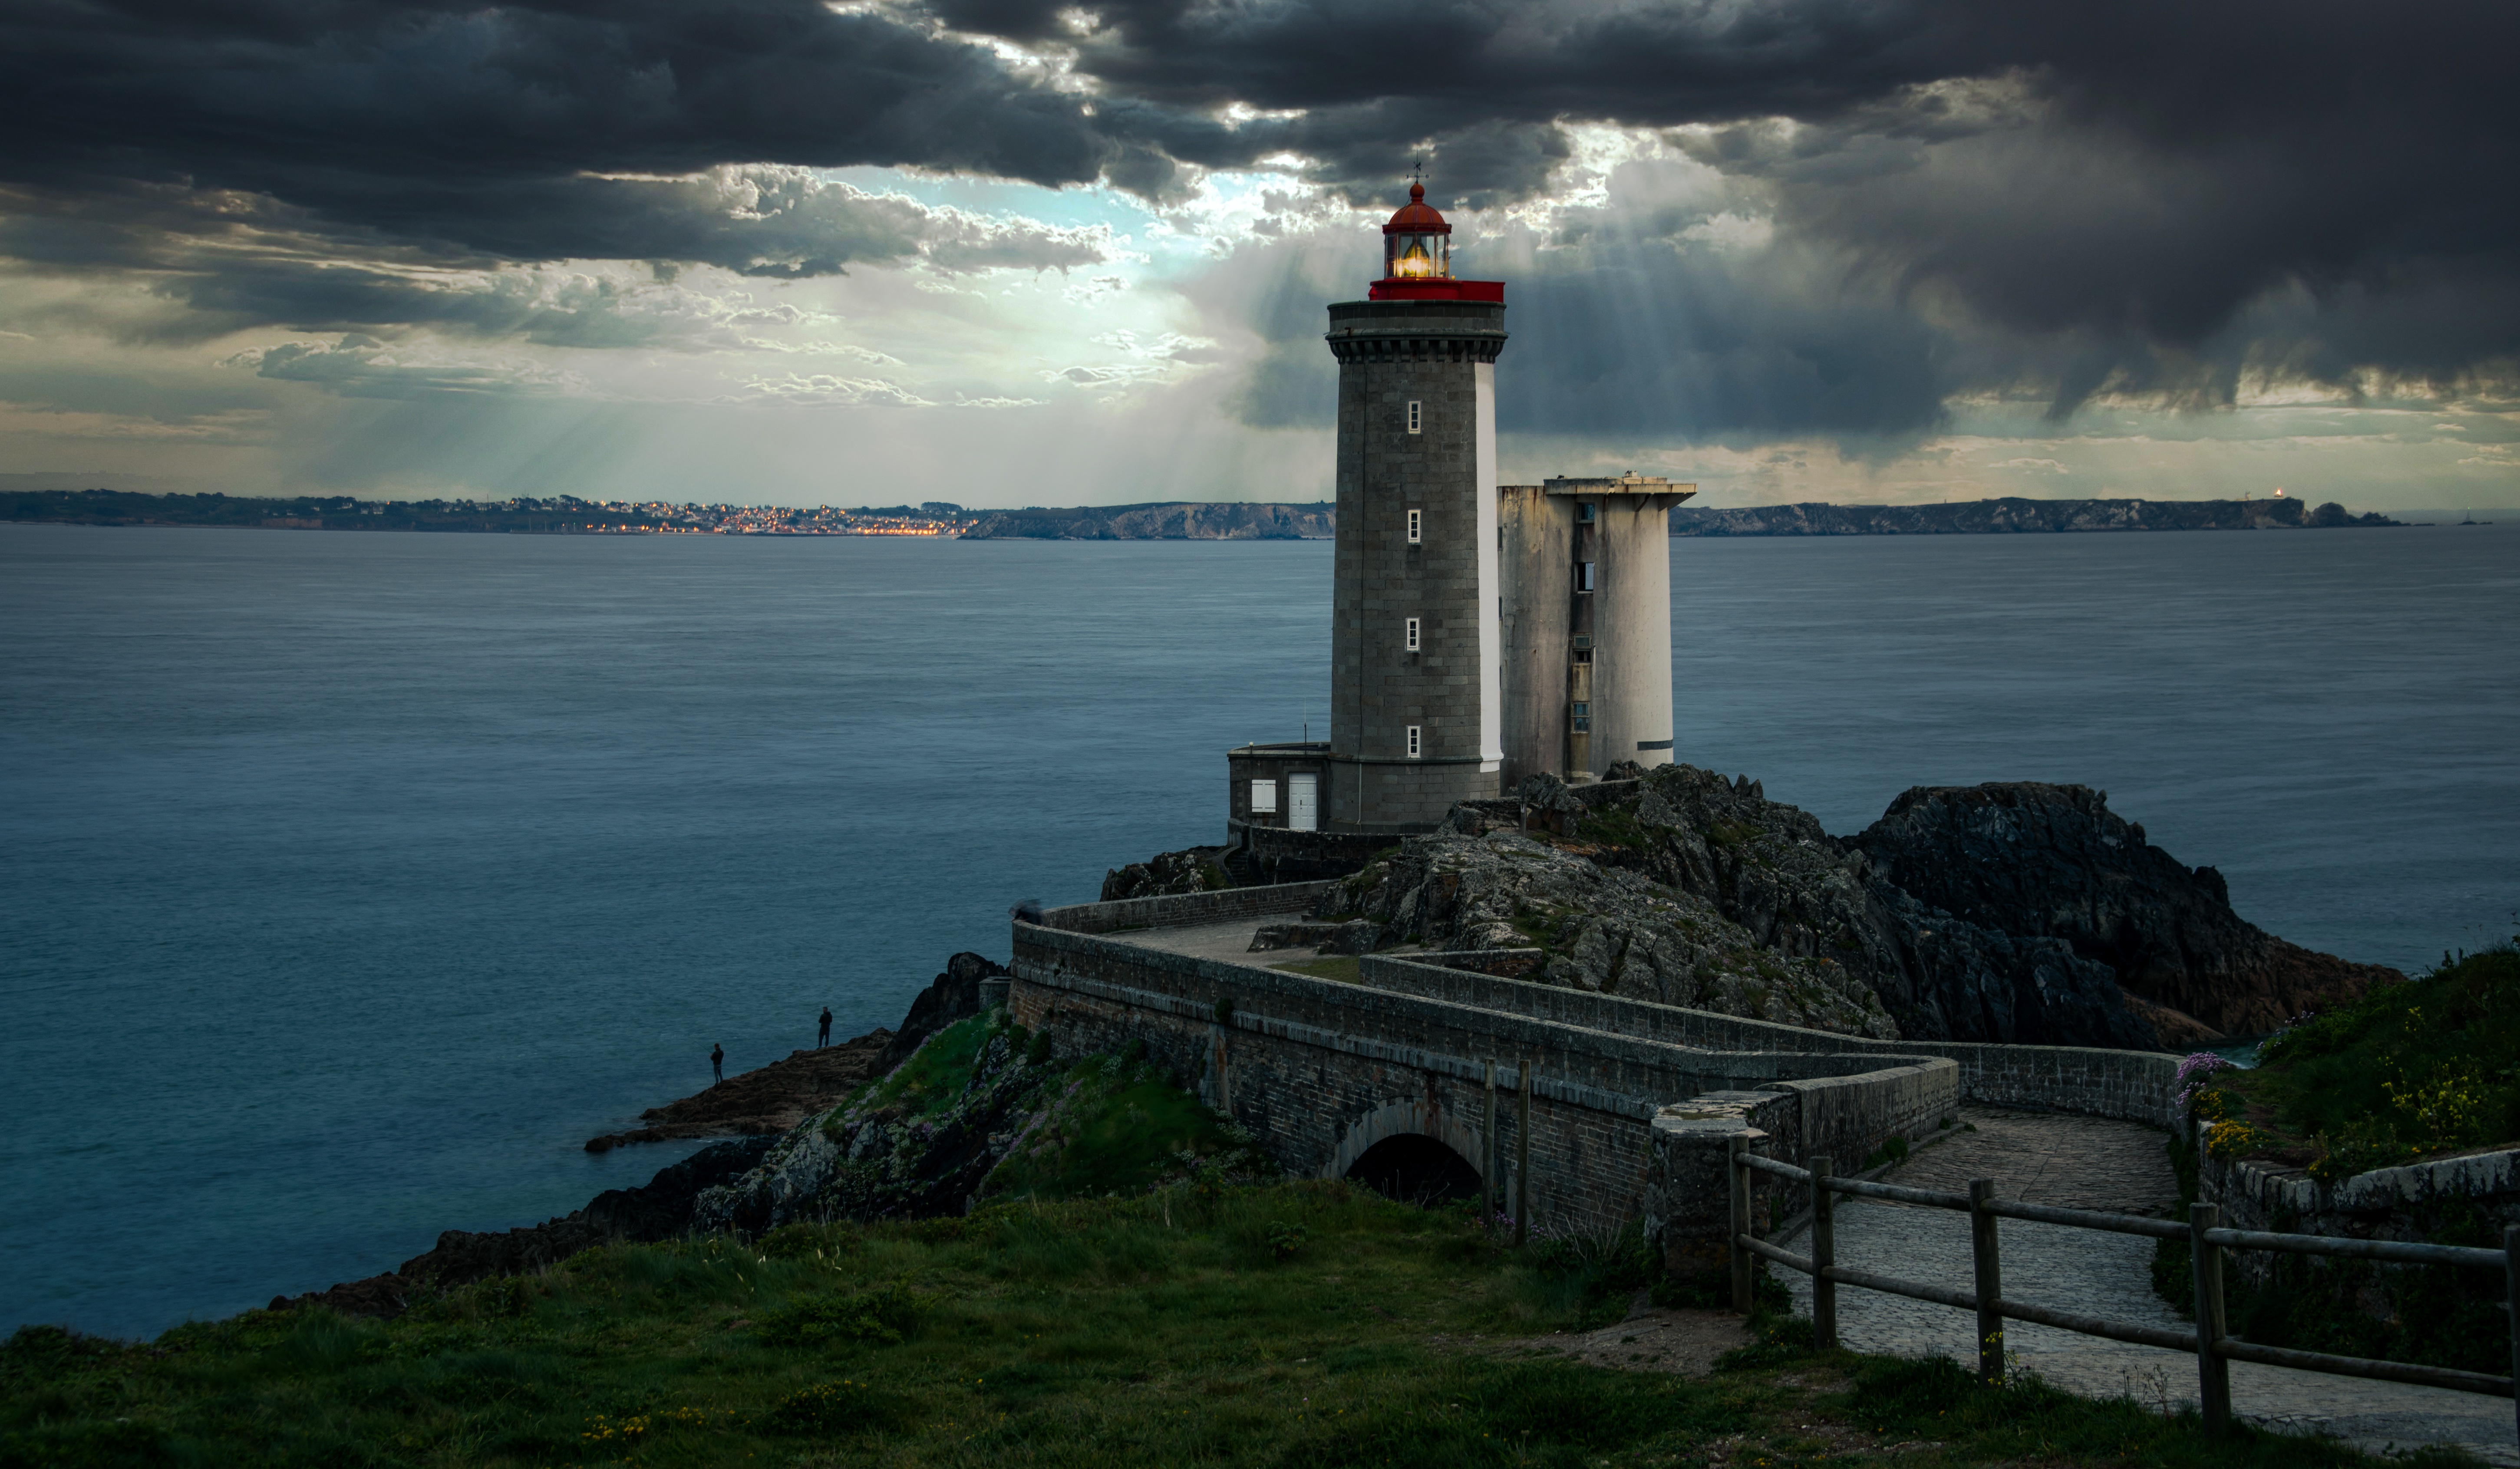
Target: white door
(1302, 810)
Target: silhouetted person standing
(825, 1037)
(717, 1062)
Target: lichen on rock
(2016, 911)
(1605, 925)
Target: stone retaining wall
(2133, 1086)
(2464, 1200)
(1188, 909)
(1320, 1070)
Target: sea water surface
(351, 881)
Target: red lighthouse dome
(1418, 258)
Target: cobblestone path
(2086, 1163)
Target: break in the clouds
(1791, 246)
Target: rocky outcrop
(1688, 888)
(659, 1209)
(952, 996)
(2006, 913)
(770, 1099)
(2054, 862)
(888, 1156)
(1607, 926)
(1194, 869)
(767, 1101)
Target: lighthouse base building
(1481, 634)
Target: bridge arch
(1405, 1119)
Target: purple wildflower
(2194, 1074)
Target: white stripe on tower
(1491, 584)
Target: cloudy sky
(1007, 253)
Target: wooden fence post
(2511, 1304)
(1522, 1159)
(2212, 1370)
(1738, 1220)
(1990, 1283)
(1492, 1153)
(1823, 1254)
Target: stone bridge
(1397, 1074)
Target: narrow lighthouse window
(1417, 525)
(1413, 741)
(1417, 420)
(1413, 635)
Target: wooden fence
(2214, 1347)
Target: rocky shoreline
(764, 1101)
(746, 1105)
(2013, 911)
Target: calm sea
(352, 881)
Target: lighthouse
(1416, 655)
(1471, 648)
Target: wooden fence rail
(2215, 1348)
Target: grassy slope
(1119, 1129)
(1295, 1323)
(2428, 1066)
(1173, 1329)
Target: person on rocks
(824, 1039)
(717, 1062)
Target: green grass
(2429, 1066)
(1120, 1129)
(931, 1080)
(1157, 1330)
(1613, 826)
(1296, 1324)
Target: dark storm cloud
(2130, 177)
(2152, 196)
(446, 121)
(321, 167)
(237, 260)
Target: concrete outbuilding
(1586, 624)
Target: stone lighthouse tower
(1416, 643)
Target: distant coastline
(1169, 520)
(2015, 516)
(559, 515)
(1161, 520)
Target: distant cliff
(1995, 516)
(1180, 520)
